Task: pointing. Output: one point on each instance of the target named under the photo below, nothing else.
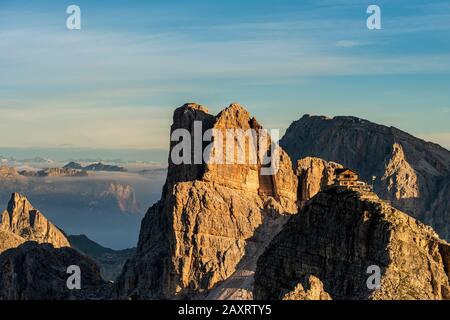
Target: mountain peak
(22, 219)
(308, 116)
(236, 107)
(406, 170)
(18, 203)
(341, 118)
(234, 115)
(73, 165)
(193, 106)
(219, 216)
(17, 197)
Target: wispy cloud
(29, 57)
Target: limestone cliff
(213, 220)
(124, 195)
(410, 172)
(325, 251)
(23, 220)
(314, 175)
(440, 209)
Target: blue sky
(115, 82)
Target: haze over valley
(107, 206)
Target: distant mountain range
(54, 172)
(72, 169)
(106, 208)
(120, 195)
(60, 154)
(94, 167)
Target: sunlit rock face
(214, 219)
(35, 256)
(314, 175)
(23, 220)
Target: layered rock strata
(214, 219)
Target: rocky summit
(411, 173)
(330, 249)
(24, 221)
(35, 256)
(202, 239)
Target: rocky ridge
(35, 271)
(411, 173)
(24, 221)
(55, 172)
(35, 256)
(324, 253)
(94, 167)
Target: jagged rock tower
(27, 223)
(203, 238)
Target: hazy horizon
(94, 154)
(68, 152)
